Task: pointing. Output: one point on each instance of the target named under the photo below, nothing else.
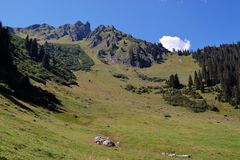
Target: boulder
(99, 140)
(109, 143)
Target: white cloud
(176, 43)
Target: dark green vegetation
(56, 61)
(142, 89)
(174, 82)
(14, 83)
(183, 53)
(220, 65)
(186, 98)
(22, 60)
(174, 94)
(70, 57)
(150, 79)
(220, 68)
(120, 76)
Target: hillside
(99, 108)
(111, 45)
(100, 103)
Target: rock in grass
(109, 143)
(105, 142)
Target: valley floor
(101, 106)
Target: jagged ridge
(75, 32)
(116, 47)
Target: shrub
(176, 98)
(192, 93)
(120, 76)
(130, 87)
(151, 79)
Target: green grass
(100, 106)
(182, 65)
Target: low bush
(120, 76)
(176, 98)
(151, 79)
(192, 93)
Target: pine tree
(174, 82)
(34, 49)
(27, 43)
(41, 54)
(177, 83)
(200, 77)
(5, 55)
(45, 61)
(196, 81)
(171, 81)
(46, 46)
(236, 95)
(190, 82)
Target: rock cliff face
(116, 47)
(75, 32)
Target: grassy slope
(99, 106)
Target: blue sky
(203, 22)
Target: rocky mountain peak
(75, 32)
(114, 46)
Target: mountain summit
(114, 46)
(75, 32)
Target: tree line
(220, 65)
(37, 52)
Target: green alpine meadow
(102, 89)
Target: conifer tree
(27, 43)
(45, 61)
(34, 49)
(190, 82)
(196, 81)
(200, 77)
(177, 83)
(174, 82)
(171, 81)
(41, 54)
(5, 55)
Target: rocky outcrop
(116, 47)
(139, 57)
(75, 32)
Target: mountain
(116, 47)
(75, 32)
(54, 110)
(112, 46)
